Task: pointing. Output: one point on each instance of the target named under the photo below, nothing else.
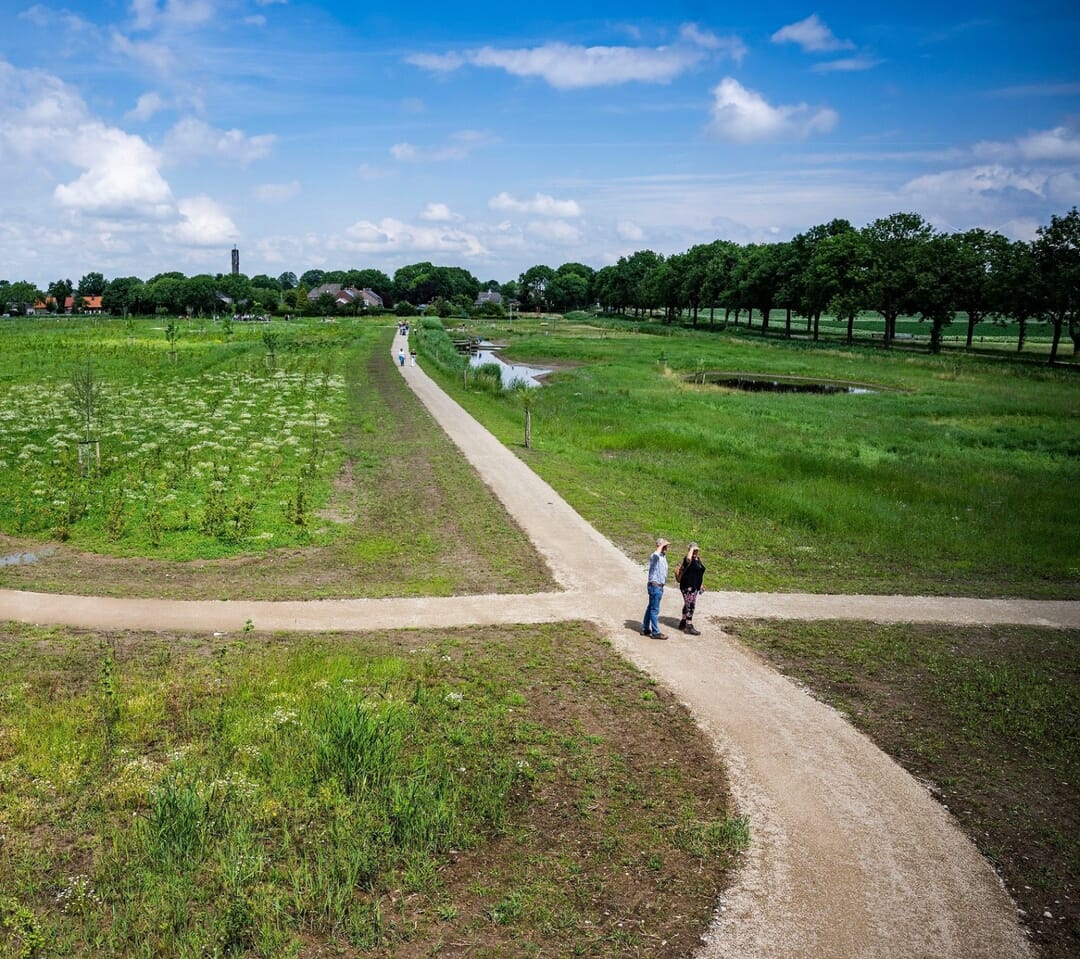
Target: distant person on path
(658, 568)
(412, 357)
(401, 356)
(693, 572)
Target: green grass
(284, 796)
(957, 479)
(390, 507)
(987, 715)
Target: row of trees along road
(896, 266)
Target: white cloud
(394, 236)
(255, 20)
(556, 231)
(156, 55)
(458, 147)
(569, 67)
(847, 65)
(439, 213)
(541, 204)
(192, 139)
(276, 192)
(744, 116)
(146, 106)
(121, 175)
(731, 46)
(203, 223)
(977, 180)
(175, 13)
(628, 230)
(812, 35)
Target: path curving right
(850, 857)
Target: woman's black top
(693, 574)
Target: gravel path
(850, 856)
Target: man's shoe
(659, 636)
(692, 632)
(645, 632)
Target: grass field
(388, 506)
(484, 793)
(955, 478)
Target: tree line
(897, 265)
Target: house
(489, 296)
(333, 288)
(90, 304)
(365, 298)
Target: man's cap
(660, 541)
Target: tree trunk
(817, 324)
(1057, 339)
(528, 428)
(851, 328)
(787, 323)
(973, 318)
(1021, 335)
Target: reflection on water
(24, 559)
(510, 373)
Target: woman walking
(693, 572)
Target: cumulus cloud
(146, 106)
(394, 236)
(569, 67)
(192, 139)
(203, 223)
(121, 175)
(541, 204)
(439, 213)
(812, 35)
(744, 116)
(148, 14)
(277, 192)
(628, 230)
(975, 180)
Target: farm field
(230, 473)
(952, 475)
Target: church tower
(235, 261)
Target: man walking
(658, 568)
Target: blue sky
(138, 136)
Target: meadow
(482, 793)
(231, 472)
(952, 475)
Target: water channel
(510, 373)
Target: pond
(767, 383)
(510, 373)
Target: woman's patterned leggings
(689, 602)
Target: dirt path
(850, 857)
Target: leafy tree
(937, 289)
(895, 242)
(567, 291)
(236, 287)
(199, 293)
(312, 278)
(720, 268)
(1057, 254)
(288, 281)
(534, 284)
(839, 275)
(978, 254)
(20, 296)
(59, 291)
(93, 284)
(374, 280)
(812, 284)
(1018, 290)
(124, 294)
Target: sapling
(88, 398)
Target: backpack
(679, 570)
